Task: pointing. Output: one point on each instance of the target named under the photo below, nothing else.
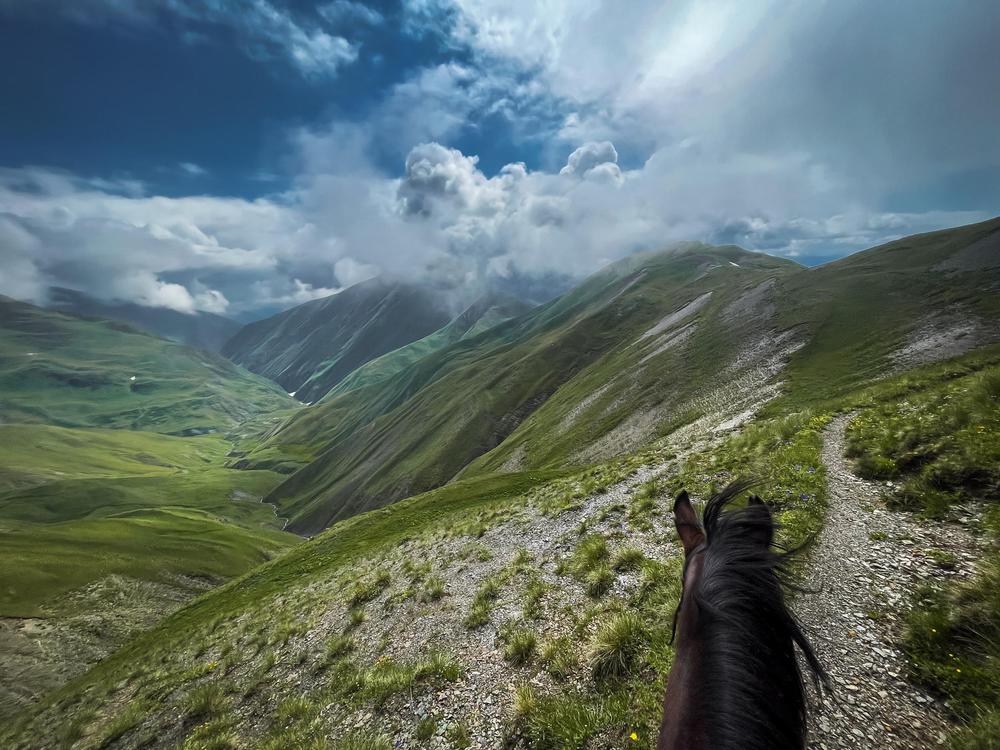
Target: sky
(240, 157)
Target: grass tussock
(618, 646)
(482, 602)
(519, 644)
(361, 740)
(558, 657)
(369, 586)
(205, 702)
(589, 563)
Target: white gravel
(851, 575)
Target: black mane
(753, 693)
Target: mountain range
(692, 336)
(310, 348)
(140, 472)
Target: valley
(489, 554)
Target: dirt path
(864, 567)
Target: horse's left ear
(686, 521)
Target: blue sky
(240, 157)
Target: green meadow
(78, 505)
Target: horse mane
(753, 690)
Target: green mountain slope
(695, 336)
(403, 618)
(485, 313)
(59, 369)
(198, 329)
(312, 347)
(106, 530)
(419, 428)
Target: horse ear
(686, 521)
(754, 500)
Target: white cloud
(346, 11)
(780, 128)
(192, 169)
(265, 29)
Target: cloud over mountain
(804, 132)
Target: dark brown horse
(735, 682)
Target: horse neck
(683, 725)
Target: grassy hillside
(312, 347)
(419, 428)
(115, 506)
(538, 602)
(63, 370)
(291, 654)
(695, 336)
(485, 313)
(198, 329)
(918, 299)
(79, 505)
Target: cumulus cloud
(594, 161)
(443, 221)
(872, 89)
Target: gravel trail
(863, 569)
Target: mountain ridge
(587, 375)
(310, 348)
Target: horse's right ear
(686, 521)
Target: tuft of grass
(458, 735)
(522, 560)
(569, 720)
(216, 734)
(532, 600)
(558, 657)
(205, 702)
(433, 590)
(598, 581)
(387, 677)
(356, 618)
(122, 723)
(643, 504)
(519, 644)
(591, 552)
(426, 728)
(482, 603)
(628, 558)
(339, 646)
(292, 710)
(618, 646)
(368, 587)
(363, 740)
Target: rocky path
(865, 565)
